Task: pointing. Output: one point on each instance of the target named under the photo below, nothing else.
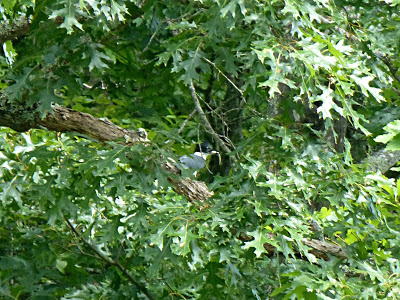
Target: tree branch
(17, 29)
(186, 121)
(204, 118)
(382, 160)
(226, 77)
(111, 262)
(67, 120)
(320, 249)
(392, 70)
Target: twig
(204, 118)
(187, 120)
(187, 16)
(111, 262)
(226, 77)
(391, 69)
(148, 44)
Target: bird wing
(182, 160)
(189, 160)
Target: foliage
(85, 220)
(392, 137)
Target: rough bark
(195, 191)
(382, 160)
(323, 249)
(17, 118)
(11, 31)
(67, 120)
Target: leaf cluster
(88, 220)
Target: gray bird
(197, 160)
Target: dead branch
(67, 120)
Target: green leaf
(69, 15)
(47, 99)
(97, 57)
(351, 237)
(8, 190)
(280, 289)
(26, 148)
(9, 52)
(394, 143)
(327, 103)
(392, 2)
(192, 66)
(355, 117)
(183, 25)
(231, 8)
(61, 265)
(363, 82)
(393, 127)
(391, 138)
(260, 238)
(290, 9)
(22, 84)
(186, 236)
(162, 232)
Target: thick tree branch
(12, 31)
(323, 249)
(320, 249)
(67, 120)
(382, 160)
(195, 191)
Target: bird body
(197, 160)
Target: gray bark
(382, 160)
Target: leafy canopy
(84, 220)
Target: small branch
(151, 39)
(226, 77)
(204, 118)
(187, 120)
(391, 69)
(186, 16)
(111, 262)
